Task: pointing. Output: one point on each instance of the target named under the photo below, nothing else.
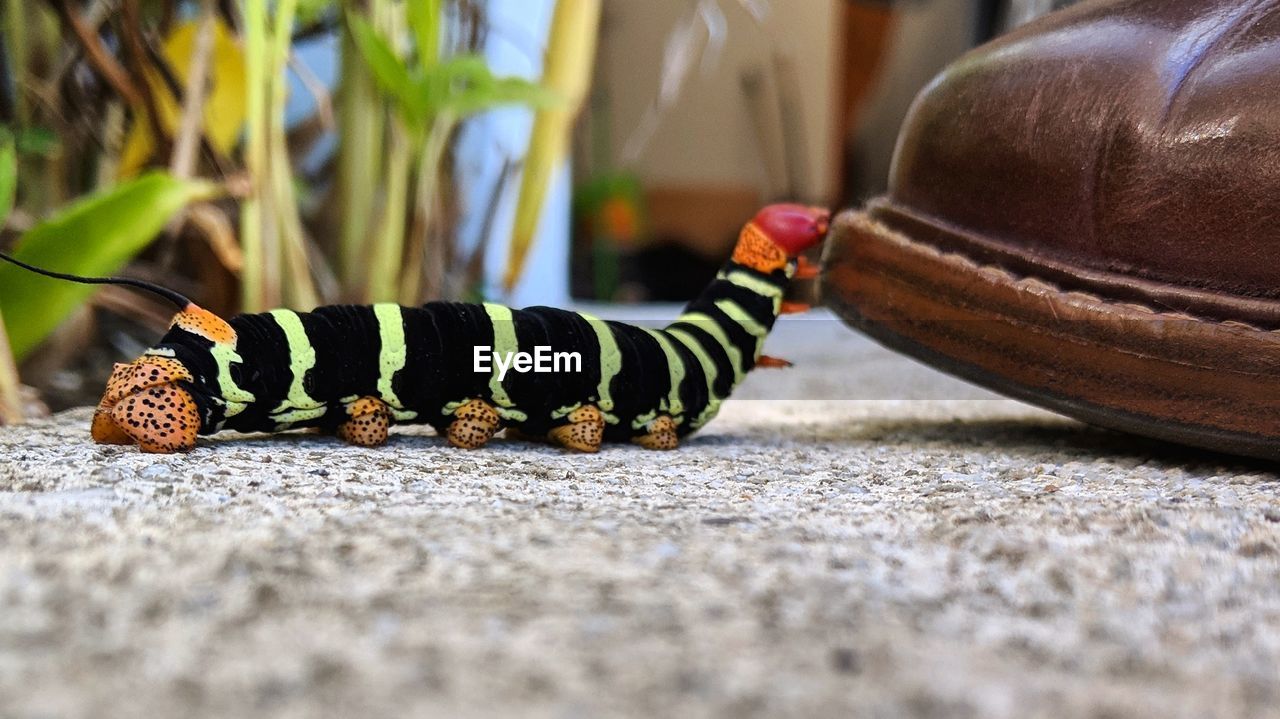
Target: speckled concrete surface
(944, 557)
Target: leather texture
(1126, 366)
(1129, 148)
(1085, 214)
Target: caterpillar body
(356, 370)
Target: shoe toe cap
(1135, 138)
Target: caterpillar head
(778, 234)
(149, 401)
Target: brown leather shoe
(1085, 214)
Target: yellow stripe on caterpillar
(707, 324)
(297, 406)
(392, 356)
(708, 371)
(675, 368)
(746, 322)
(754, 284)
(504, 343)
(610, 365)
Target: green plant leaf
(390, 71)
(424, 20)
(310, 11)
(94, 236)
(10, 385)
(40, 141)
(461, 85)
(464, 85)
(502, 91)
(8, 178)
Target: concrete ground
(904, 546)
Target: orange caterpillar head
(778, 234)
(149, 401)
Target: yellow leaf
(224, 108)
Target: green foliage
(10, 387)
(310, 11)
(464, 85)
(30, 140)
(410, 76)
(461, 85)
(393, 76)
(8, 177)
(427, 96)
(95, 236)
(424, 21)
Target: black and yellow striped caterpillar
(356, 370)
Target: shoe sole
(1113, 362)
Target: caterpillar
(356, 370)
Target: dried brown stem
(101, 59)
(136, 58)
(218, 231)
(316, 88)
(167, 14)
(182, 162)
(151, 44)
(48, 89)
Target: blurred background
(256, 154)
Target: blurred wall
(924, 38)
(708, 140)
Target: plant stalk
(298, 288)
(387, 254)
(359, 162)
(260, 281)
(567, 72)
(424, 273)
(182, 163)
(15, 35)
(11, 411)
